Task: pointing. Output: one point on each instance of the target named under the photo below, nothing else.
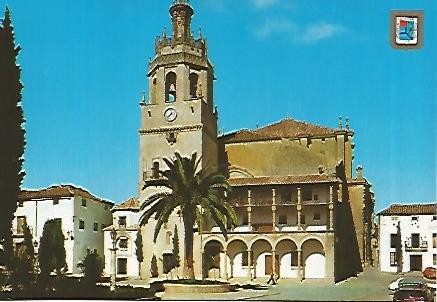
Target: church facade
(302, 213)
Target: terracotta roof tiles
(58, 191)
(287, 128)
(130, 204)
(410, 209)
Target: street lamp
(113, 234)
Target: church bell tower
(179, 114)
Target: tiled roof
(287, 128)
(281, 180)
(130, 204)
(410, 209)
(58, 191)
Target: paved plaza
(371, 285)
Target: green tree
(154, 267)
(194, 193)
(11, 130)
(176, 258)
(51, 253)
(139, 250)
(22, 266)
(92, 268)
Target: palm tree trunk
(188, 240)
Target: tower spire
(181, 13)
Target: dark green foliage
(192, 192)
(139, 247)
(11, 129)
(154, 267)
(176, 258)
(398, 248)
(22, 265)
(51, 253)
(92, 268)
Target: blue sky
(84, 67)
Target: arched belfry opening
(194, 79)
(170, 87)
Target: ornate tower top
(181, 13)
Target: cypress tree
(154, 267)
(12, 142)
(51, 253)
(139, 250)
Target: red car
(429, 273)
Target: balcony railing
(268, 228)
(423, 246)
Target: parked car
(430, 273)
(412, 289)
(412, 294)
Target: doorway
(269, 265)
(415, 262)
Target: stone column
(225, 252)
(299, 208)
(249, 264)
(249, 209)
(202, 251)
(299, 264)
(274, 263)
(274, 210)
(231, 262)
(331, 208)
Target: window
(434, 259)
(167, 262)
(20, 203)
(434, 218)
(122, 266)
(245, 220)
(415, 240)
(96, 227)
(155, 169)
(394, 218)
(316, 196)
(294, 259)
(414, 218)
(122, 221)
(84, 202)
(393, 239)
(55, 201)
(393, 260)
(168, 237)
(282, 219)
(307, 194)
(81, 224)
(123, 243)
(285, 196)
(194, 78)
(434, 240)
(21, 221)
(170, 87)
(302, 218)
(316, 217)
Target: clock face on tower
(170, 114)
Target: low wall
(195, 288)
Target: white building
(82, 215)
(125, 222)
(408, 237)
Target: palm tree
(195, 194)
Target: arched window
(170, 87)
(155, 169)
(194, 78)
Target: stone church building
(303, 210)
